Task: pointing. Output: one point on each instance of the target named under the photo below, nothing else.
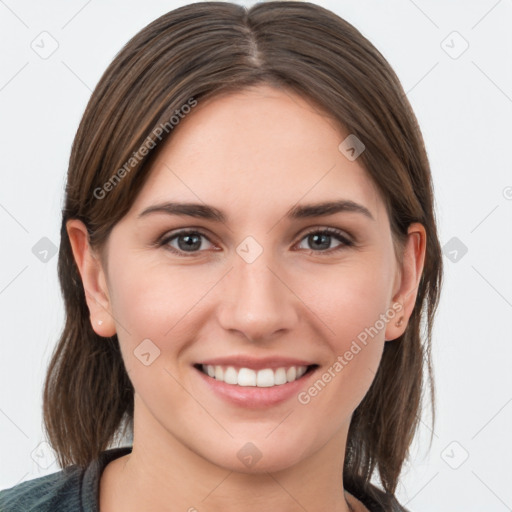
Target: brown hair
(199, 51)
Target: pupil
(190, 243)
(318, 237)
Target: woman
(248, 247)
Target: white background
(464, 107)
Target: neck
(169, 475)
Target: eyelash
(345, 242)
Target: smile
(263, 378)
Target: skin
(254, 155)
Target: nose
(257, 301)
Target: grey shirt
(74, 489)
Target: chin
(256, 457)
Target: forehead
(258, 150)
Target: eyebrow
(205, 211)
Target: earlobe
(410, 276)
(93, 279)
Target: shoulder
(388, 502)
(72, 489)
(56, 491)
(373, 498)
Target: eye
(191, 241)
(321, 239)
(187, 241)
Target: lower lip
(255, 397)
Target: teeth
(246, 377)
(230, 376)
(264, 378)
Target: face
(259, 289)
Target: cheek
(348, 298)
(150, 309)
(148, 300)
(350, 304)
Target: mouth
(256, 378)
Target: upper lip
(254, 363)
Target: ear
(408, 280)
(93, 279)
